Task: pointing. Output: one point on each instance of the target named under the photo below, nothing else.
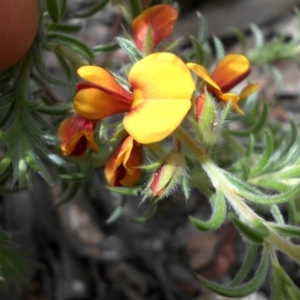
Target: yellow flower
(122, 169)
(158, 21)
(161, 86)
(230, 71)
(77, 134)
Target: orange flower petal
(234, 98)
(122, 169)
(159, 18)
(77, 134)
(104, 81)
(247, 90)
(95, 104)
(231, 70)
(203, 73)
(162, 87)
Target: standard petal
(203, 73)
(153, 121)
(103, 80)
(95, 104)
(231, 70)
(159, 18)
(162, 86)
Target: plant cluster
(159, 125)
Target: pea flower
(77, 134)
(156, 21)
(161, 86)
(122, 169)
(230, 71)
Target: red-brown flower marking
(230, 71)
(77, 135)
(158, 21)
(123, 168)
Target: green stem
(221, 183)
(218, 179)
(283, 245)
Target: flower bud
(206, 117)
(168, 175)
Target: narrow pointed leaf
(219, 47)
(217, 218)
(99, 49)
(247, 265)
(133, 191)
(244, 289)
(256, 127)
(277, 290)
(266, 155)
(92, 10)
(274, 199)
(258, 35)
(203, 31)
(54, 10)
(242, 38)
(199, 51)
(286, 230)
(130, 48)
(77, 45)
(255, 234)
(277, 215)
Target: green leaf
(54, 10)
(247, 265)
(130, 49)
(277, 215)
(282, 285)
(54, 110)
(217, 218)
(68, 41)
(62, 7)
(15, 266)
(274, 184)
(277, 290)
(69, 192)
(91, 11)
(117, 212)
(273, 199)
(99, 49)
(40, 66)
(199, 51)
(242, 38)
(220, 50)
(286, 230)
(266, 155)
(67, 28)
(202, 26)
(256, 127)
(150, 212)
(133, 191)
(258, 35)
(256, 234)
(244, 289)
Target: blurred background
(74, 252)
